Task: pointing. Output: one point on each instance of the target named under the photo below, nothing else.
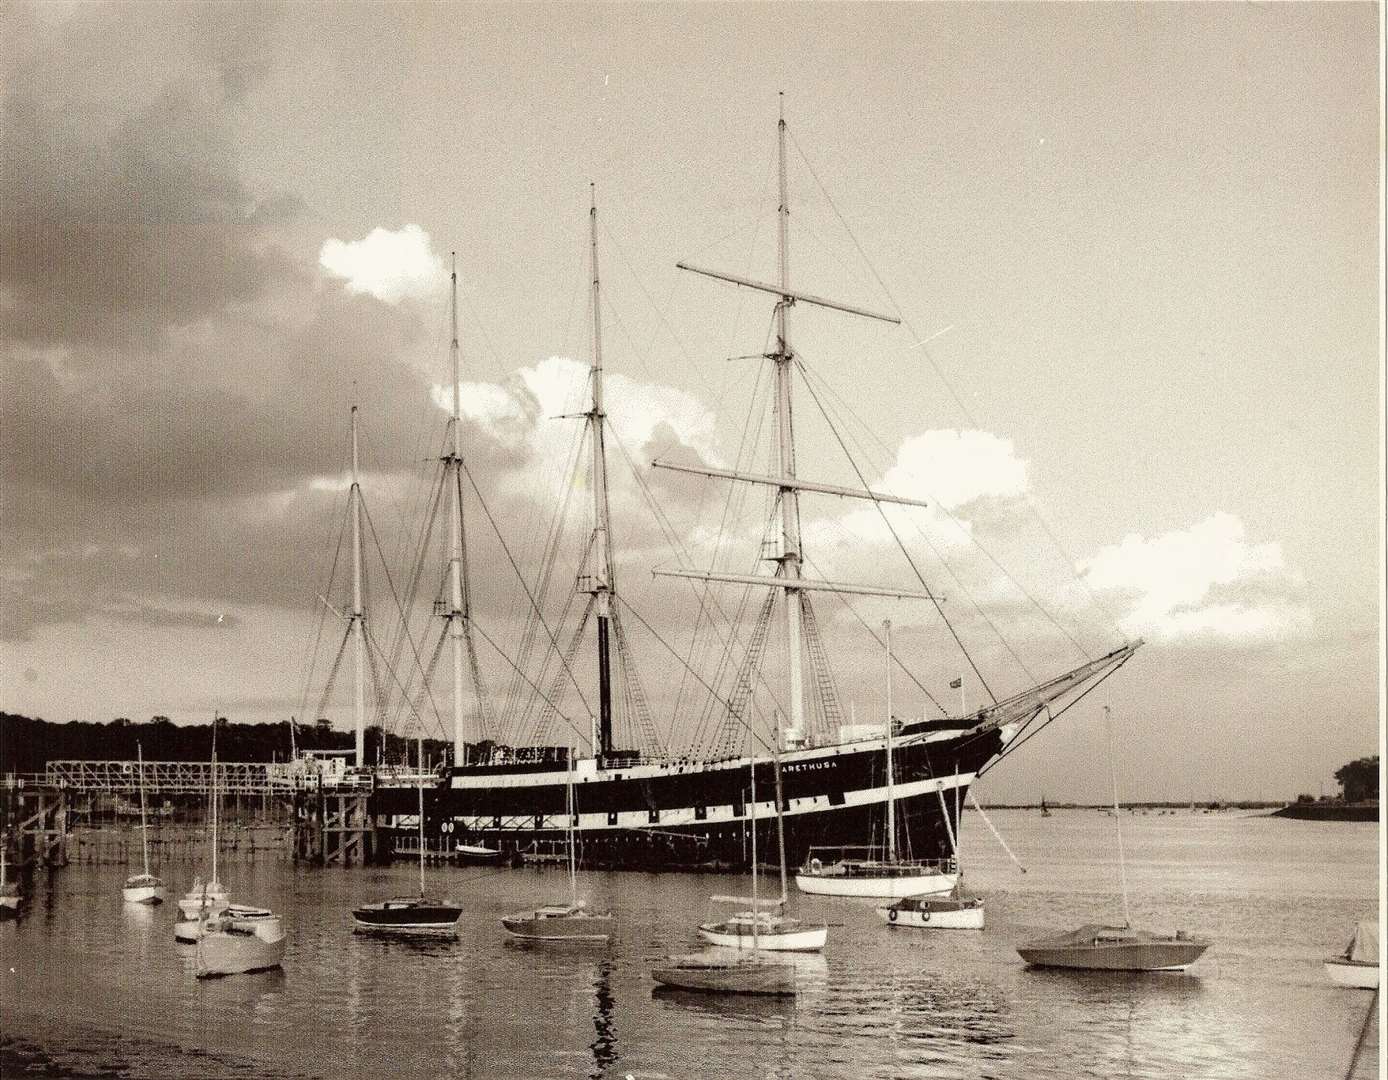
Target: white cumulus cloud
(558, 386)
(952, 468)
(946, 469)
(388, 265)
(1180, 582)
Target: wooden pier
(34, 826)
(336, 827)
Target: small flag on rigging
(957, 683)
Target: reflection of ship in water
(604, 1044)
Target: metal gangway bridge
(82, 776)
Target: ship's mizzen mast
(357, 626)
(602, 587)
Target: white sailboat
(866, 872)
(1095, 947)
(208, 900)
(1361, 964)
(954, 910)
(143, 888)
(239, 941)
(765, 925)
(571, 921)
(205, 897)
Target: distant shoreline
(1329, 811)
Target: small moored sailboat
(1115, 948)
(859, 871)
(571, 921)
(765, 925)
(206, 898)
(1359, 965)
(410, 914)
(143, 888)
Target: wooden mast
(357, 626)
(602, 587)
(457, 613)
(891, 798)
(785, 438)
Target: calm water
(97, 985)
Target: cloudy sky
(1135, 249)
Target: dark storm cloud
(175, 369)
(119, 227)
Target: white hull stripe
(640, 819)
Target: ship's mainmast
(789, 497)
(602, 585)
(788, 575)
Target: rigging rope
(958, 401)
(887, 521)
(997, 835)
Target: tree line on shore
(28, 744)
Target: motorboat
(476, 854)
(236, 944)
(956, 911)
(1360, 964)
(1114, 948)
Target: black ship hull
(698, 815)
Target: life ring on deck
(891, 914)
(816, 866)
(925, 916)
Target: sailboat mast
(358, 626)
(789, 492)
(421, 812)
(144, 829)
(569, 811)
(891, 798)
(214, 798)
(453, 476)
(602, 585)
(1117, 817)
(756, 908)
(780, 818)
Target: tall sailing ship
(641, 806)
